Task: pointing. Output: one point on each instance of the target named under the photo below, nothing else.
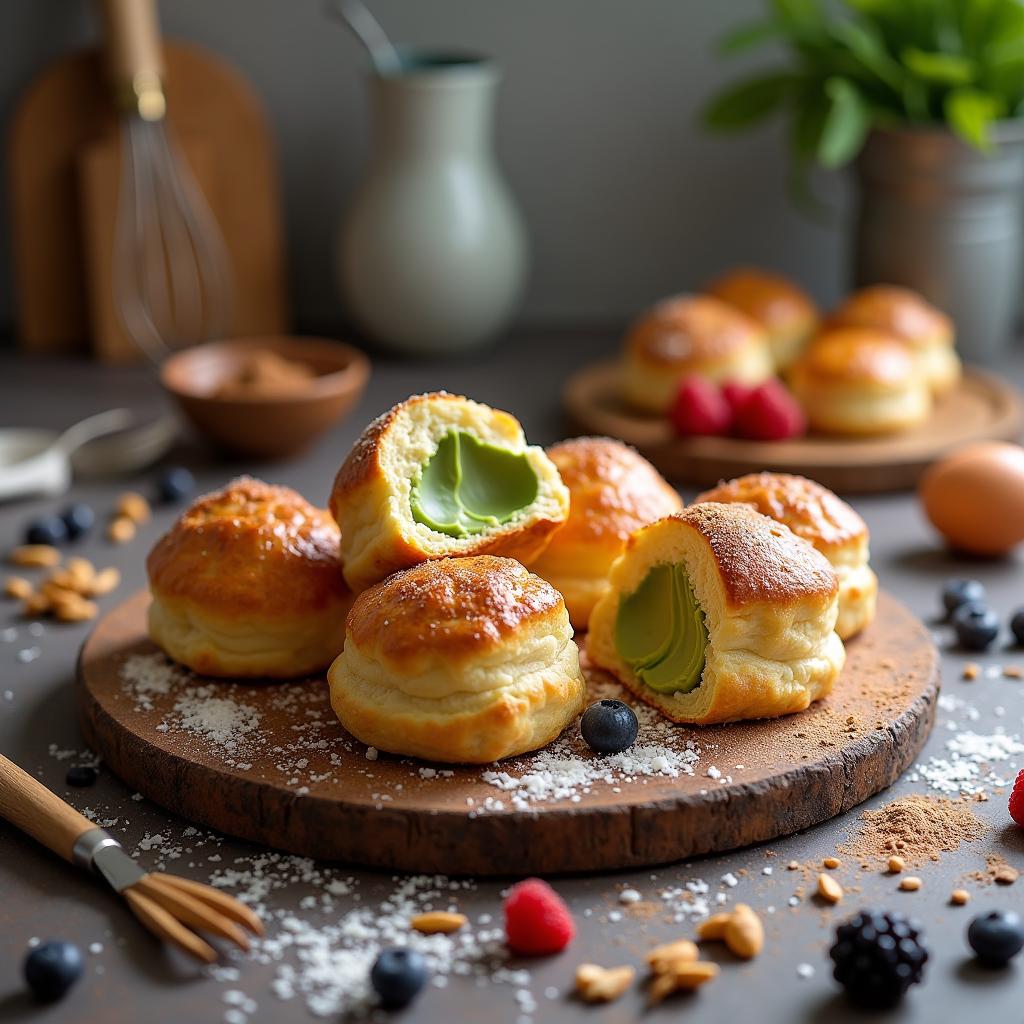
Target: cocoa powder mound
(917, 828)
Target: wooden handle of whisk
(27, 804)
(135, 60)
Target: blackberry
(878, 955)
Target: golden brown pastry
(462, 660)
(613, 491)
(248, 582)
(822, 519)
(690, 334)
(784, 310)
(718, 613)
(440, 475)
(905, 314)
(859, 381)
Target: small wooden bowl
(267, 428)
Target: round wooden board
(982, 407)
(295, 780)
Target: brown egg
(975, 497)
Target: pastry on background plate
(860, 381)
(717, 614)
(460, 660)
(824, 520)
(613, 491)
(248, 582)
(440, 475)
(785, 311)
(690, 334)
(905, 314)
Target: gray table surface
(132, 979)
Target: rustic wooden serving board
(983, 407)
(293, 779)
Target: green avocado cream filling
(660, 631)
(467, 486)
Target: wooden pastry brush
(174, 909)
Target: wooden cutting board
(292, 778)
(64, 154)
(983, 407)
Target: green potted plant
(925, 98)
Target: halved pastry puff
(718, 613)
(440, 475)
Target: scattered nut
(683, 977)
(35, 556)
(910, 884)
(35, 604)
(75, 609)
(959, 897)
(121, 530)
(1013, 672)
(105, 581)
(832, 862)
(1006, 875)
(896, 864)
(132, 505)
(17, 587)
(602, 985)
(744, 934)
(713, 927)
(971, 670)
(438, 922)
(829, 889)
(662, 958)
(81, 572)
(793, 865)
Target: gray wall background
(626, 199)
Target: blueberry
(176, 484)
(81, 775)
(996, 937)
(51, 969)
(957, 592)
(397, 976)
(976, 626)
(1017, 626)
(46, 530)
(609, 726)
(78, 519)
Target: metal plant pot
(942, 218)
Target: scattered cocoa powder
(915, 828)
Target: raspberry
(537, 921)
(1017, 800)
(699, 410)
(735, 394)
(770, 413)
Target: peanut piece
(35, 556)
(959, 897)
(121, 530)
(105, 581)
(1006, 875)
(684, 977)
(1013, 672)
(438, 922)
(133, 506)
(35, 604)
(896, 864)
(832, 862)
(971, 670)
(713, 927)
(81, 572)
(910, 884)
(829, 889)
(18, 587)
(602, 985)
(75, 609)
(744, 934)
(793, 865)
(662, 958)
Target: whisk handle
(28, 805)
(135, 60)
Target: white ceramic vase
(432, 251)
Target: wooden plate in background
(982, 407)
(394, 813)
